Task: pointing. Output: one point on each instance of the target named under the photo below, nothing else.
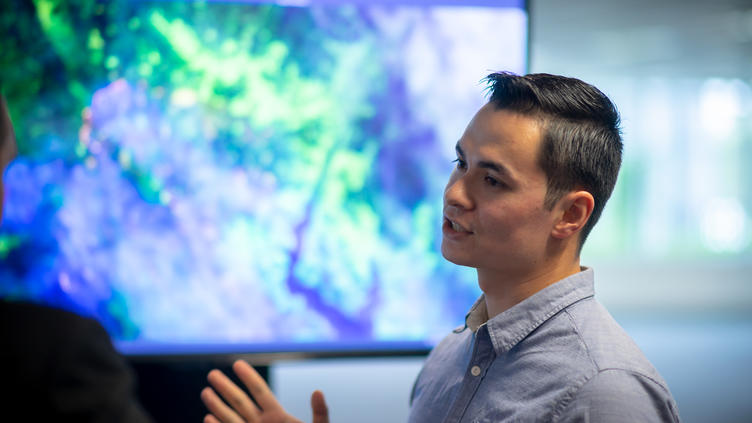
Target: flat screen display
(213, 177)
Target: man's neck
(502, 291)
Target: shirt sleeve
(615, 395)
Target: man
(56, 365)
(535, 168)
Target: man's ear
(574, 209)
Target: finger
(209, 418)
(319, 408)
(256, 385)
(220, 410)
(235, 397)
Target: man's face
(494, 217)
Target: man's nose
(457, 195)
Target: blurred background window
(673, 250)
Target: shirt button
(475, 371)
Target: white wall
(356, 390)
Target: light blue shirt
(557, 356)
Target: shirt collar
(514, 324)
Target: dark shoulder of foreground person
(60, 366)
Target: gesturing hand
(241, 409)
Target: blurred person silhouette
(534, 169)
(58, 366)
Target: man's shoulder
(607, 344)
(607, 371)
(579, 343)
(618, 395)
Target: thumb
(320, 410)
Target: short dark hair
(581, 145)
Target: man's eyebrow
(496, 167)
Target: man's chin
(455, 257)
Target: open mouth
(456, 226)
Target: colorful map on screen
(200, 173)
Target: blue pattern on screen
(240, 174)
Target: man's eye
(460, 163)
(493, 182)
